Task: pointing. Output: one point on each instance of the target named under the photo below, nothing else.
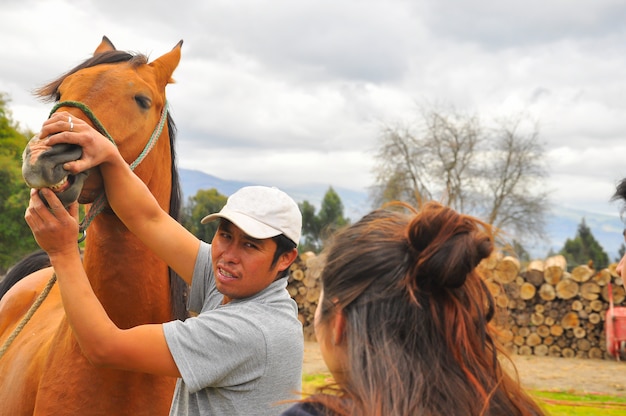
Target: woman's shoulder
(304, 409)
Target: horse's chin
(92, 189)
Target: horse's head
(120, 91)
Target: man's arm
(129, 197)
(142, 348)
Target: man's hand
(97, 149)
(54, 228)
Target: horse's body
(43, 371)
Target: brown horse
(43, 371)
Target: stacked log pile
(543, 309)
(546, 310)
(304, 287)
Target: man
(243, 352)
(620, 194)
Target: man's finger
(73, 210)
(52, 201)
(73, 167)
(32, 214)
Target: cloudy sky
(289, 92)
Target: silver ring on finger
(69, 120)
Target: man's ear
(286, 259)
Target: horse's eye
(143, 102)
(57, 97)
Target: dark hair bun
(445, 246)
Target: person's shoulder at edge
(304, 409)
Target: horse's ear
(105, 46)
(167, 63)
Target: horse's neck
(130, 281)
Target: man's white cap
(262, 212)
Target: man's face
(242, 264)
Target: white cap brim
(248, 225)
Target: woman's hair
(417, 311)
(620, 194)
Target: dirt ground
(540, 373)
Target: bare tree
(397, 176)
(452, 142)
(493, 173)
(513, 181)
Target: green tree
(318, 227)
(584, 248)
(17, 239)
(205, 202)
(310, 227)
(620, 253)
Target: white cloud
(296, 92)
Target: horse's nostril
(67, 151)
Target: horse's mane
(179, 289)
(50, 93)
(32, 262)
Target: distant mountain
(562, 222)
(355, 203)
(193, 180)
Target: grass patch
(573, 404)
(312, 381)
(554, 403)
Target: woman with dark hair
(403, 320)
